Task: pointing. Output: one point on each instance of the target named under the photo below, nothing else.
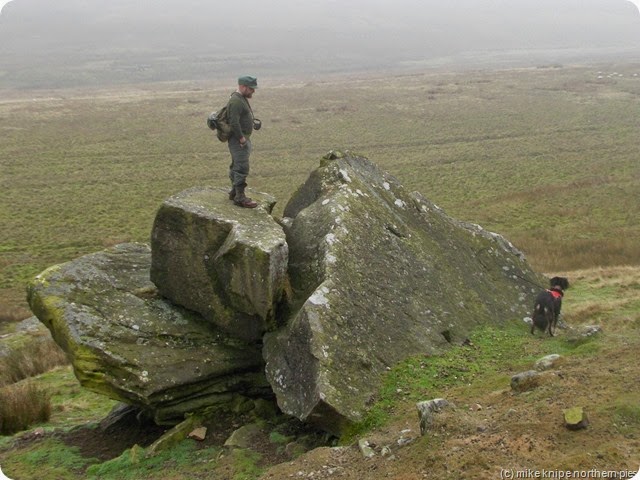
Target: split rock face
(227, 263)
(380, 274)
(359, 275)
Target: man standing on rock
(242, 124)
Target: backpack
(219, 121)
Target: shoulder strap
(245, 101)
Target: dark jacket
(240, 116)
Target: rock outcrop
(359, 275)
(381, 274)
(130, 344)
(226, 263)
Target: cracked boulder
(379, 274)
(227, 263)
(125, 341)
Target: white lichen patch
(330, 238)
(279, 378)
(400, 203)
(318, 297)
(345, 176)
(386, 186)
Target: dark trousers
(239, 168)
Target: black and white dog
(548, 305)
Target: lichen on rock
(227, 263)
(380, 274)
(128, 343)
(359, 275)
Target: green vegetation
(183, 461)
(626, 414)
(133, 464)
(48, 459)
(245, 464)
(547, 157)
(71, 403)
(478, 364)
(22, 402)
(468, 373)
(33, 357)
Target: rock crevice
(312, 309)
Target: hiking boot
(232, 194)
(246, 203)
(242, 200)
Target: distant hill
(76, 42)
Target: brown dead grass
(37, 356)
(10, 313)
(22, 405)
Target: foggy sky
(303, 34)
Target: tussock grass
(604, 296)
(575, 254)
(33, 358)
(72, 403)
(22, 405)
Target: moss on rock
(381, 274)
(140, 348)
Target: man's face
(247, 92)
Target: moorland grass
(608, 297)
(48, 459)
(547, 157)
(133, 464)
(12, 314)
(22, 405)
(465, 373)
(479, 363)
(32, 358)
(71, 403)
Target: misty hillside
(76, 42)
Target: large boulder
(361, 275)
(127, 342)
(380, 274)
(227, 263)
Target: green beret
(248, 81)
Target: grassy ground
(492, 429)
(548, 157)
(489, 428)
